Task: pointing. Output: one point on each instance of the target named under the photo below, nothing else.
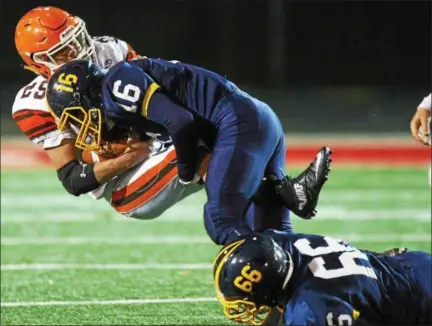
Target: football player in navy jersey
(304, 279)
(192, 105)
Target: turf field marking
(176, 239)
(56, 199)
(167, 239)
(65, 266)
(324, 213)
(105, 302)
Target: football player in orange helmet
(47, 37)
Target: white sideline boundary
(176, 239)
(105, 302)
(122, 266)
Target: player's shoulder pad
(113, 41)
(105, 39)
(130, 86)
(307, 307)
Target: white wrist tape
(195, 180)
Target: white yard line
(166, 239)
(48, 200)
(325, 212)
(105, 302)
(65, 266)
(176, 239)
(18, 218)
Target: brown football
(109, 150)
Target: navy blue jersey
(125, 93)
(193, 87)
(162, 97)
(129, 86)
(334, 283)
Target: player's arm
(181, 126)
(421, 120)
(40, 127)
(79, 178)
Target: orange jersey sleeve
(35, 124)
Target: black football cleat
(300, 194)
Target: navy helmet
(74, 98)
(250, 275)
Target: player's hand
(196, 180)
(137, 150)
(420, 127)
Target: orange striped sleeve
(34, 123)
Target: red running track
(363, 155)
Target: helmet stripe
(223, 254)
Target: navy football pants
(250, 143)
(420, 273)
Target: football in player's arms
(315, 280)
(108, 151)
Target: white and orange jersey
(149, 189)
(30, 110)
(143, 192)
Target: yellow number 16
(244, 282)
(66, 81)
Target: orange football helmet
(47, 37)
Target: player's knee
(213, 228)
(213, 232)
(222, 226)
(219, 236)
